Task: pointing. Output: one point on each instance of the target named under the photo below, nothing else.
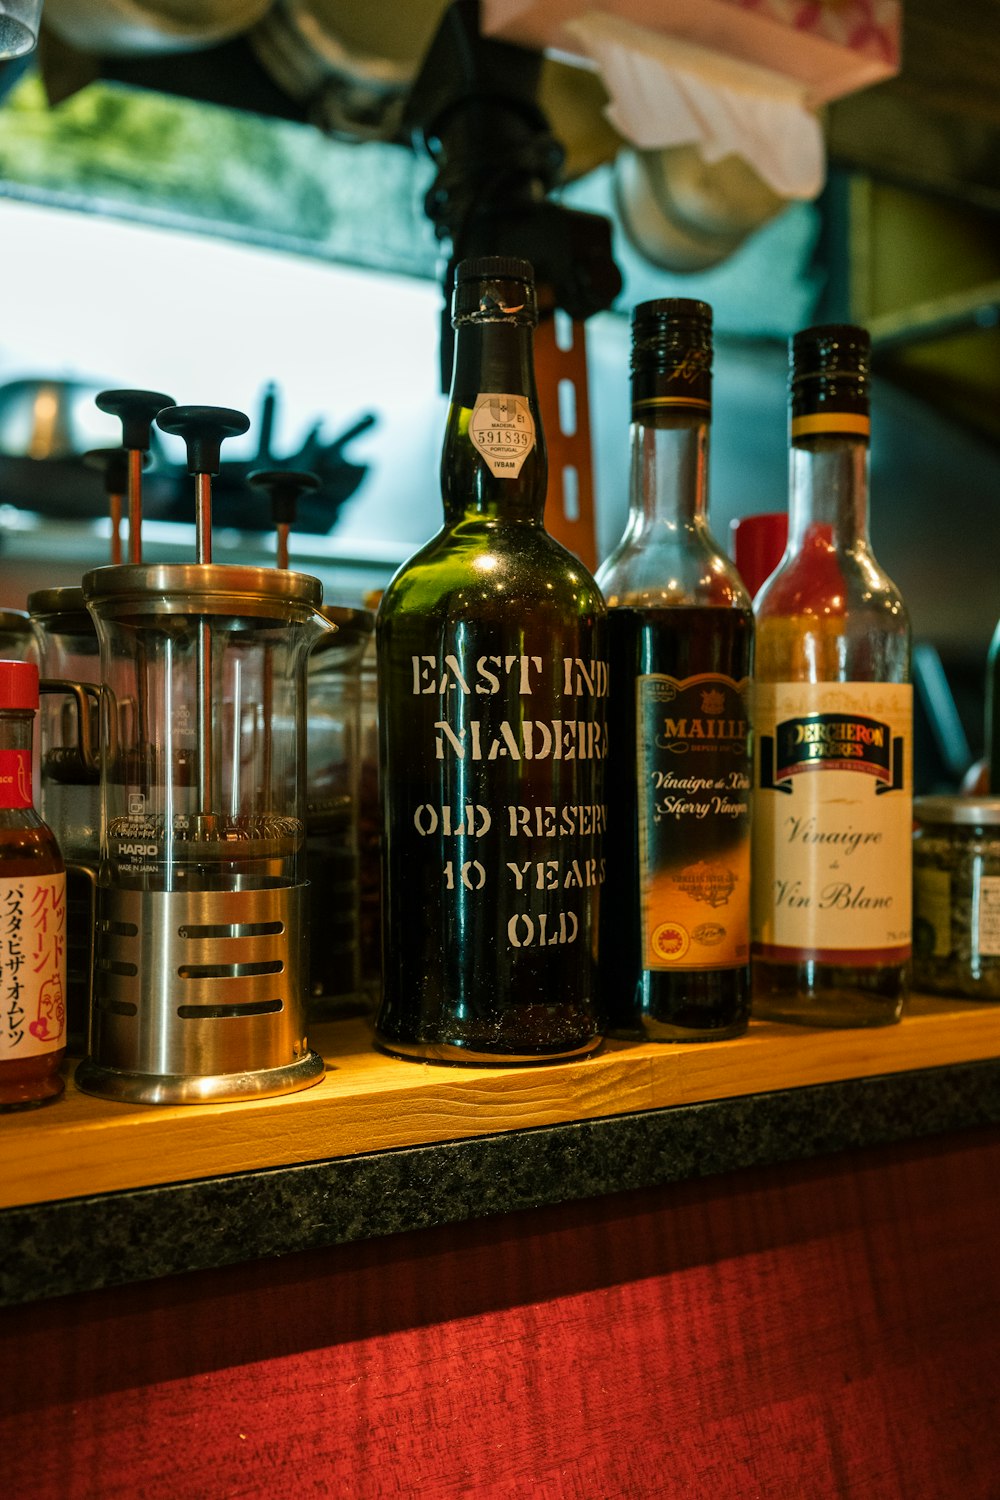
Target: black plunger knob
(204, 430)
(284, 487)
(112, 465)
(137, 410)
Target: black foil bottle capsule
(493, 682)
(675, 922)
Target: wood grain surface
(368, 1102)
(818, 1331)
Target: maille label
(693, 767)
(833, 822)
(503, 431)
(15, 778)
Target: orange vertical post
(561, 373)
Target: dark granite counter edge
(82, 1244)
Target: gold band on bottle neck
(849, 423)
(646, 403)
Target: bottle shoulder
(829, 581)
(668, 569)
(27, 845)
(492, 567)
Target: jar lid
(352, 625)
(18, 685)
(968, 811)
(15, 619)
(61, 611)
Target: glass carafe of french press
(200, 974)
(201, 960)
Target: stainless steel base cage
(199, 996)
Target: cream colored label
(989, 916)
(503, 431)
(832, 830)
(932, 897)
(32, 965)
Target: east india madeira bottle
(32, 913)
(833, 786)
(675, 919)
(492, 696)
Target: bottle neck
(494, 463)
(828, 495)
(669, 474)
(15, 759)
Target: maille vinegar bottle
(492, 695)
(675, 918)
(833, 790)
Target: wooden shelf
(366, 1102)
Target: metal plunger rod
(135, 505)
(137, 410)
(115, 503)
(112, 465)
(283, 486)
(204, 429)
(203, 517)
(203, 552)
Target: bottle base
(662, 1031)
(14, 1100)
(24, 1087)
(813, 994)
(457, 1054)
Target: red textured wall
(827, 1330)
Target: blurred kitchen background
(225, 201)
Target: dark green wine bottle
(492, 695)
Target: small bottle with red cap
(32, 913)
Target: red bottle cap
(758, 544)
(18, 684)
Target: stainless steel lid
(967, 811)
(202, 588)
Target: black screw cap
(204, 430)
(137, 410)
(284, 487)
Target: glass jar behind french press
(334, 782)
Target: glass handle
(87, 697)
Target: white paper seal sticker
(503, 430)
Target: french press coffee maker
(202, 937)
